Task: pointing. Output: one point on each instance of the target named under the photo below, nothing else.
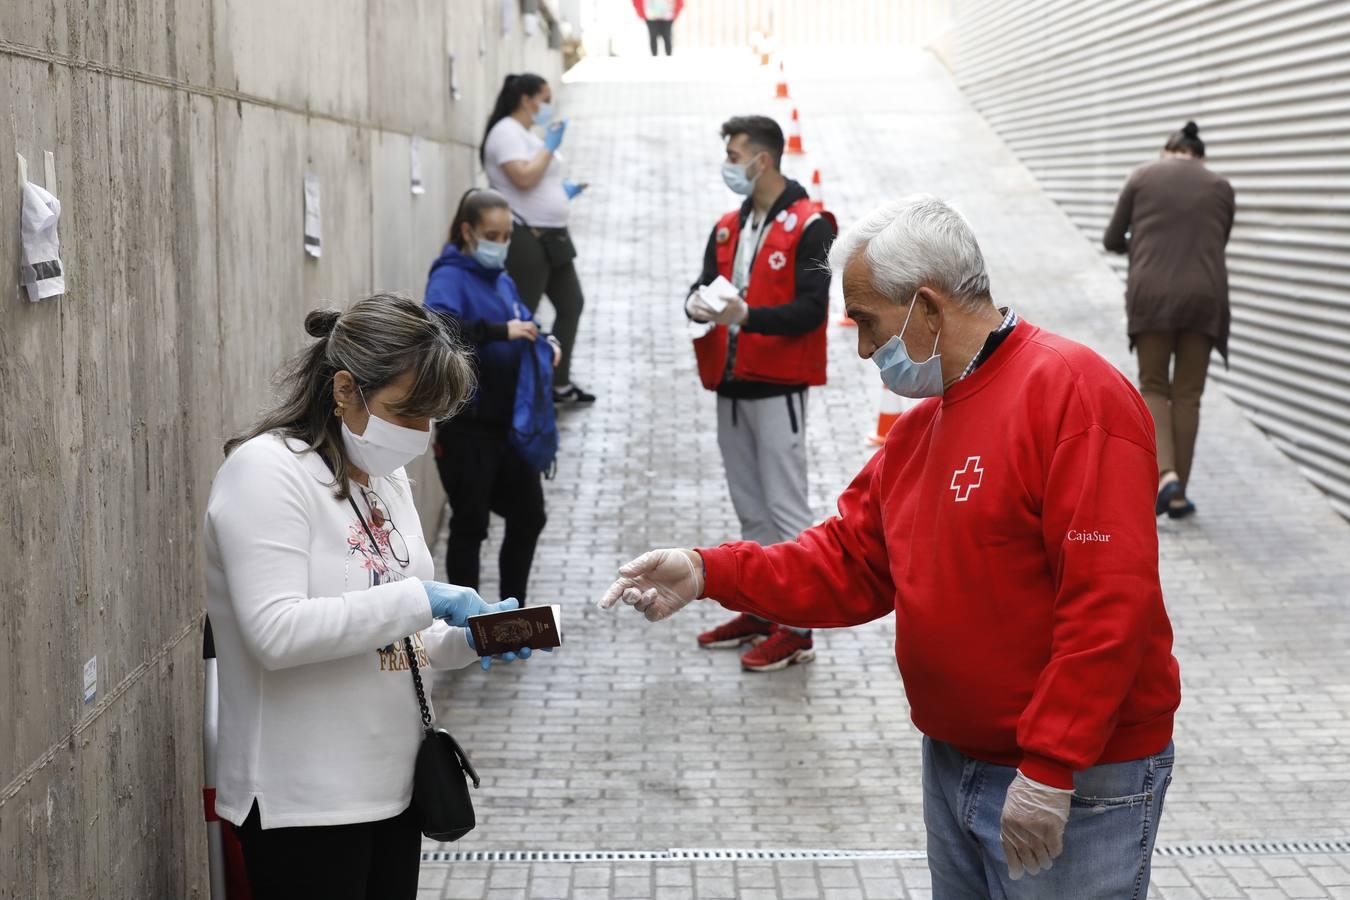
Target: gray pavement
(632, 739)
(1276, 877)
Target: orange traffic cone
(892, 407)
(817, 192)
(782, 91)
(794, 147)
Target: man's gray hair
(915, 241)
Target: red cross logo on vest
(967, 478)
(777, 260)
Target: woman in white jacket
(319, 722)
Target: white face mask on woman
(385, 447)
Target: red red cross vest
(797, 359)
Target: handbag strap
(407, 641)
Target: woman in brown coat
(1173, 218)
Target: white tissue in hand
(698, 329)
(712, 294)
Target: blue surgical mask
(490, 254)
(735, 177)
(545, 114)
(903, 375)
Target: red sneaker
(784, 647)
(741, 630)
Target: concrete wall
(181, 131)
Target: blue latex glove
(486, 661)
(455, 604)
(572, 188)
(553, 135)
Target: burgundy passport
(536, 627)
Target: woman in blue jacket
(480, 468)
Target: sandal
(1169, 492)
(1181, 512)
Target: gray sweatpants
(763, 445)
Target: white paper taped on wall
(41, 274)
(313, 228)
(415, 165)
(90, 679)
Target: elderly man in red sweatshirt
(1008, 522)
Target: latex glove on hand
(553, 135)
(486, 661)
(557, 349)
(455, 604)
(658, 584)
(696, 309)
(734, 313)
(1034, 816)
(572, 188)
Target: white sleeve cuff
(448, 647)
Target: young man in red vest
(761, 353)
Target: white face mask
(385, 447)
(737, 177)
(901, 374)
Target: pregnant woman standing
(528, 171)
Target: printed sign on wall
(415, 165)
(313, 226)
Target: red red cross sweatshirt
(1009, 524)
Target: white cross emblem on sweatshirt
(967, 478)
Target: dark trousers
(482, 475)
(659, 28)
(363, 861)
(534, 275)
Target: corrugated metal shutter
(1083, 91)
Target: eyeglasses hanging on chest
(385, 529)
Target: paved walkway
(631, 739)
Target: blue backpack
(534, 428)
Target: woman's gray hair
(377, 340)
(915, 241)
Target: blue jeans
(1108, 841)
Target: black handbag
(440, 786)
(441, 775)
